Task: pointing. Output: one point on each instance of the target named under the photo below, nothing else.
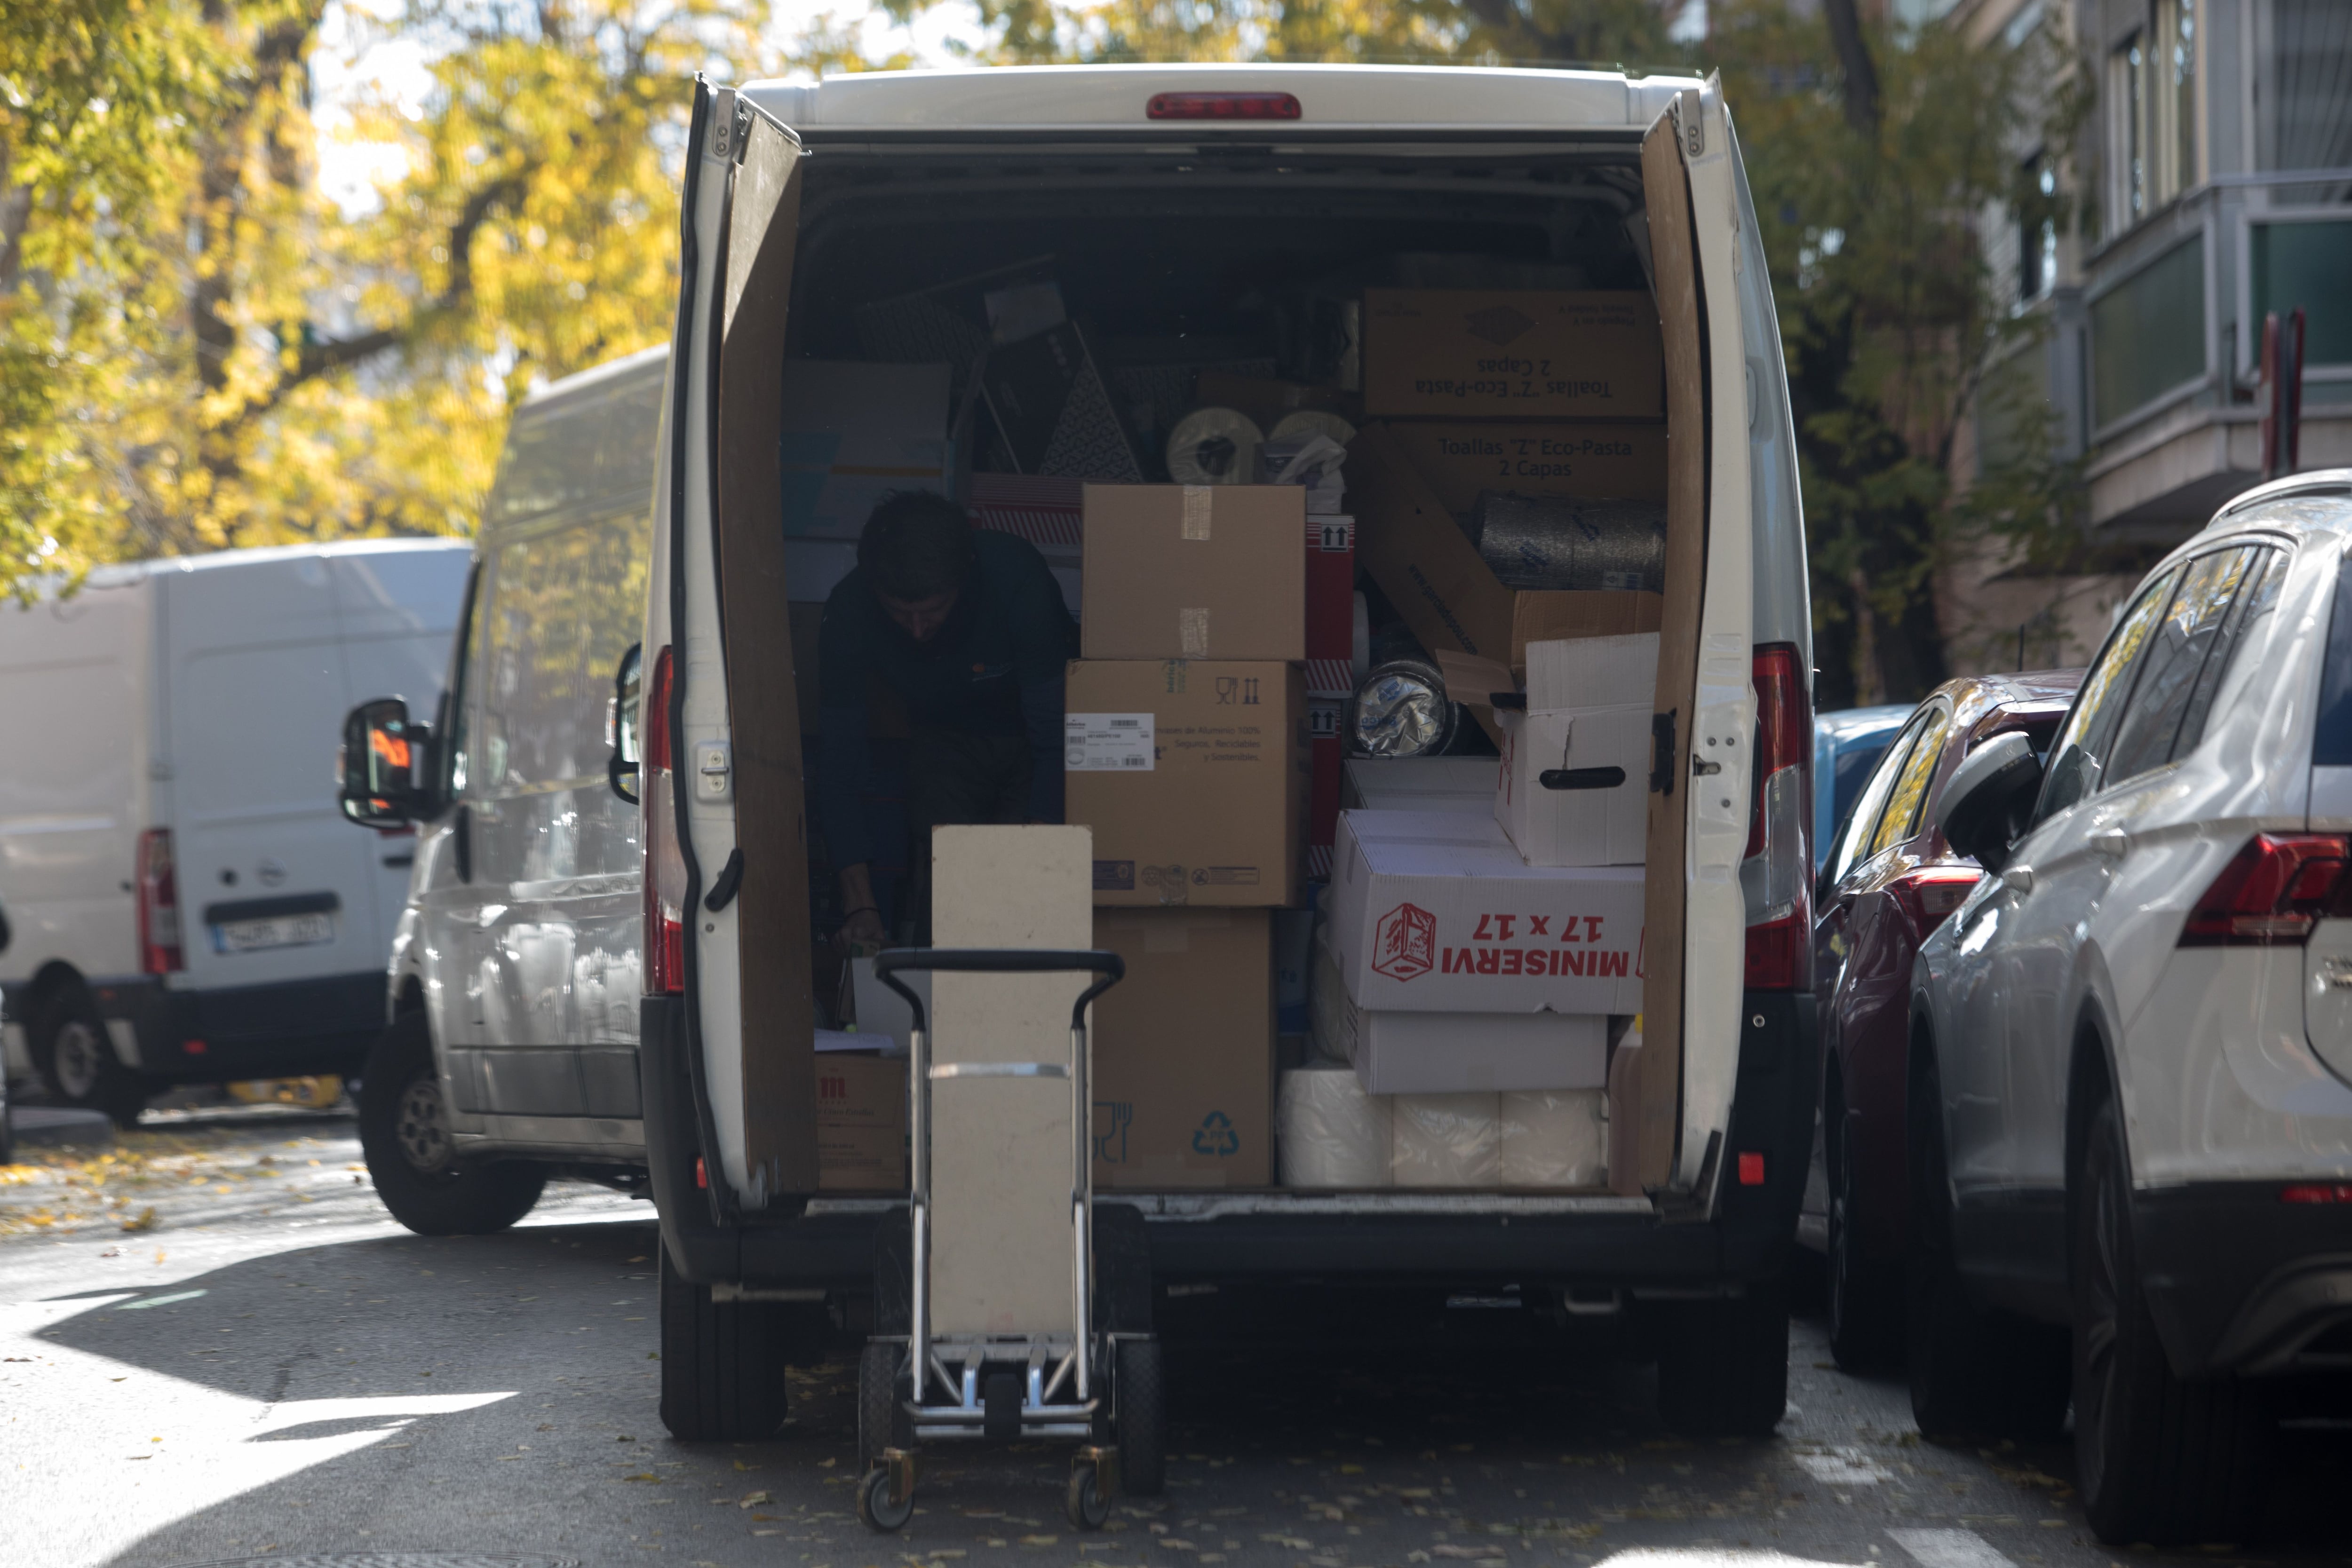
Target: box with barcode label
(1193, 775)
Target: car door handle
(2113, 843)
(2019, 878)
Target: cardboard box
(1420, 784)
(1432, 574)
(1460, 460)
(1195, 571)
(1194, 776)
(852, 433)
(861, 1122)
(1574, 787)
(1183, 1050)
(1498, 353)
(1436, 1053)
(1435, 912)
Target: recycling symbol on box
(1215, 1135)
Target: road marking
(1949, 1549)
(1845, 1467)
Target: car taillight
(1221, 106)
(2271, 893)
(2317, 1192)
(1774, 875)
(1932, 892)
(160, 952)
(664, 890)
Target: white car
(2131, 1051)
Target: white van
(182, 904)
(513, 982)
(1174, 199)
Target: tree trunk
(1862, 107)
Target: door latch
(714, 772)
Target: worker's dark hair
(917, 544)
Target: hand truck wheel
(1088, 1503)
(878, 1509)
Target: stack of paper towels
(1334, 1135)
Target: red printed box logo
(1405, 943)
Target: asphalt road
(216, 1346)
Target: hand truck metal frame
(954, 1367)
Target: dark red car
(1888, 881)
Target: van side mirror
(621, 729)
(384, 757)
(1984, 806)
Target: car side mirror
(1984, 805)
(621, 730)
(385, 754)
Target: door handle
(2113, 843)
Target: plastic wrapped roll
(1214, 446)
(1401, 710)
(1565, 542)
(1445, 1140)
(1302, 423)
(1555, 1138)
(1332, 1134)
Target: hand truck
(1065, 1379)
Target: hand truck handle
(1110, 967)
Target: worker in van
(968, 627)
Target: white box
(1441, 1053)
(852, 433)
(1419, 784)
(1593, 671)
(1435, 912)
(1573, 788)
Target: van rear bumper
(1668, 1246)
(292, 1027)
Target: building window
(2127, 131)
(2152, 127)
(2303, 264)
(2037, 229)
(2178, 22)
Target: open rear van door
(1704, 726)
(736, 796)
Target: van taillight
(1775, 875)
(1221, 106)
(2271, 893)
(664, 890)
(160, 952)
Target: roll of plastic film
(1214, 446)
(1401, 710)
(1569, 542)
(1299, 424)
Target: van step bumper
(283, 1030)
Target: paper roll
(1445, 1140)
(1332, 1134)
(1301, 422)
(1214, 446)
(1554, 1137)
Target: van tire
(75, 1056)
(1974, 1374)
(404, 1135)
(722, 1364)
(1723, 1369)
(2159, 1459)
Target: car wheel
(1865, 1296)
(75, 1059)
(1973, 1373)
(722, 1362)
(1723, 1371)
(405, 1133)
(2158, 1458)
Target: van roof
(230, 559)
(1343, 98)
(579, 382)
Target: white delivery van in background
(514, 987)
(1179, 204)
(185, 905)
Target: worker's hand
(863, 932)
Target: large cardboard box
(861, 1122)
(1193, 774)
(1195, 571)
(1497, 353)
(1432, 574)
(1459, 460)
(1183, 1050)
(1435, 912)
(1396, 1052)
(852, 433)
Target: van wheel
(1865, 1297)
(2158, 1460)
(722, 1362)
(1723, 1371)
(405, 1133)
(1974, 1374)
(75, 1059)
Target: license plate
(280, 931)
